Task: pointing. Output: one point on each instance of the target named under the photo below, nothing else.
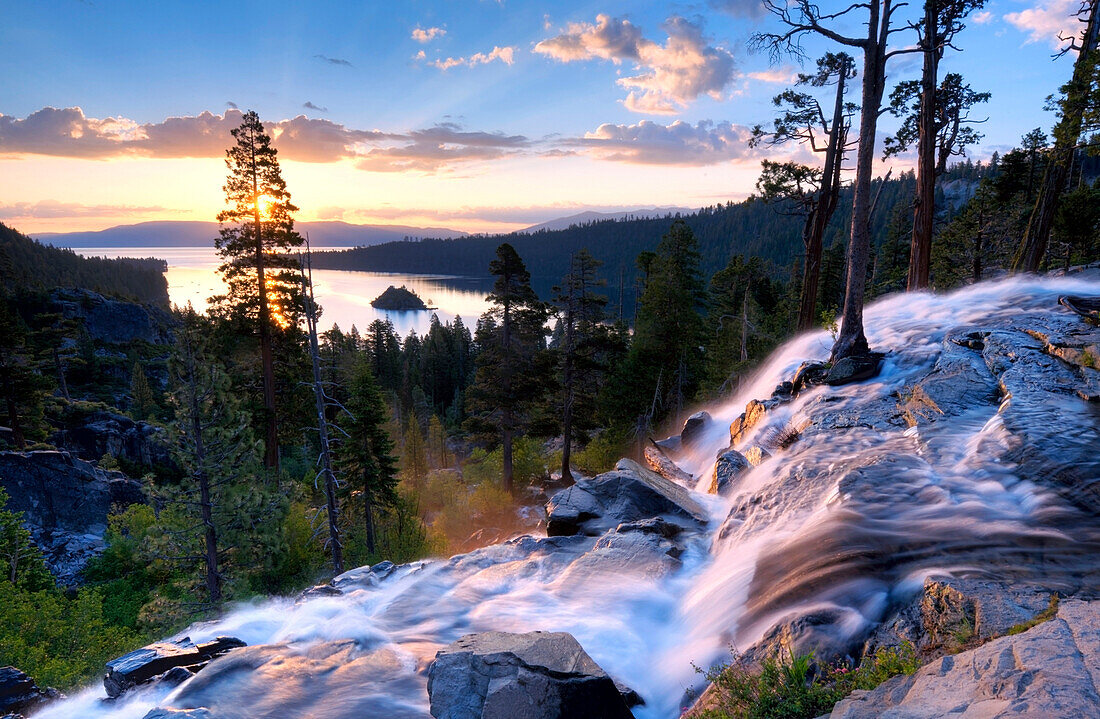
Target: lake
(344, 296)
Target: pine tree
(212, 442)
(414, 456)
(21, 386)
(257, 233)
(512, 372)
(143, 404)
(1078, 112)
(21, 561)
(364, 456)
(582, 349)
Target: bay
(344, 296)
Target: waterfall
(844, 522)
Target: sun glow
(265, 203)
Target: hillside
(26, 264)
(750, 228)
(202, 234)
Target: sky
(477, 115)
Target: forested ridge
(28, 264)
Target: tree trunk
(333, 508)
(567, 385)
(819, 219)
(506, 412)
(1067, 132)
(924, 203)
(60, 370)
(271, 435)
(368, 516)
(206, 504)
(851, 340)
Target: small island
(398, 298)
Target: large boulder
(660, 463)
(103, 432)
(626, 494)
(65, 503)
(755, 411)
(19, 693)
(150, 662)
(114, 321)
(537, 675)
(854, 369)
(728, 469)
(1051, 670)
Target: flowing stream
(845, 523)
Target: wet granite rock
(694, 427)
(728, 469)
(1051, 670)
(854, 369)
(660, 463)
(146, 664)
(537, 675)
(740, 427)
(626, 494)
(160, 713)
(19, 693)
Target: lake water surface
(344, 296)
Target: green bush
(601, 454)
(796, 688)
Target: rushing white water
(846, 521)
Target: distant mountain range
(194, 233)
(199, 234)
(583, 218)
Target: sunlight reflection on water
(344, 296)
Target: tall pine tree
(512, 372)
(365, 454)
(256, 235)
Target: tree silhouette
(256, 234)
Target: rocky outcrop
(19, 693)
(660, 463)
(65, 503)
(173, 662)
(948, 613)
(854, 369)
(728, 469)
(754, 412)
(538, 675)
(626, 494)
(1051, 670)
(104, 432)
(113, 321)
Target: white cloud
(53, 209)
(69, 133)
(982, 18)
(426, 35)
(505, 55)
(1047, 20)
(668, 77)
(680, 143)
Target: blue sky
(479, 115)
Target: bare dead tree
(803, 18)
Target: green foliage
(602, 452)
(143, 405)
(21, 563)
(1044, 616)
(794, 688)
(664, 365)
(528, 464)
(513, 367)
(363, 454)
(61, 642)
